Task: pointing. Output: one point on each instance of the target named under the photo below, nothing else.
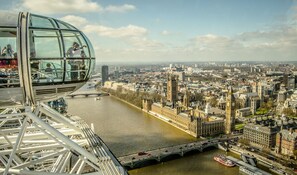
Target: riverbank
(158, 116)
(125, 102)
(170, 122)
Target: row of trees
(289, 112)
(132, 97)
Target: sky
(178, 30)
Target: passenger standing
(9, 51)
(75, 51)
(3, 51)
(49, 72)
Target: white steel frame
(41, 141)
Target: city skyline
(133, 31)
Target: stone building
(255, 104)
(230, 112)
(260, 136)
(286, 142)
(189, 120)
(243, 112)
(186, 100)
(222, 103)
(259, 89)
(172, 84)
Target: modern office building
(104, 74)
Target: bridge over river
(139, 159)
(87, 94)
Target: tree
(270, 104)
(263, 105)
(198, 96)
(288, 112)
(244, 141)
(266, 150)
(295, 154)
(213, 102)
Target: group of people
(7, 51)
(8, 57)
(8, 66)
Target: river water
(126, 130)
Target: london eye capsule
(41, 59)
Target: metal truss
(41, 141)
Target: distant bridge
(157, 155)
(87, 94)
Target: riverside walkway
(157, 155)
(251, 168)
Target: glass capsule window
(58, 52)
(92, 52)
(42, 22)
(9, 75)
(63, 25)
(45, 44)
(47, 71)
(75, 45)
(77, 70)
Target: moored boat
(223, 160)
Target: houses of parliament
(196, 122)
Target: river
(126, 130)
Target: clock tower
(230, 112)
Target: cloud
(275, 44)
(135, 37)
(280, 37)
(165, 32)
(127, 31)
(120, 9)
(77, 21)
(144, 42)
(61, 6)
(212, 42)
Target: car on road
(142, 153)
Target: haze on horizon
(176, 30)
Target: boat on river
(223, 160)
(97, 98)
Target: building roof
(288, 135)
(260, 128)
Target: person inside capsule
(8, 51)
(8, 59)
(75, 51)
(49, 72)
